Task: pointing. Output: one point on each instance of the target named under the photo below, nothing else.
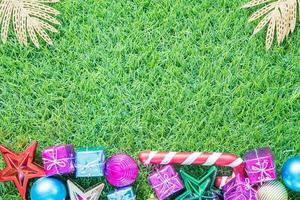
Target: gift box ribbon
(54, 161)
(166, 184)
(232, 191)
(84, 168)
(262, 168)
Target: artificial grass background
(145, 74)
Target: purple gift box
(59, 159)
(239, 188)
(260, 165)
(165, 182)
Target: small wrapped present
(89, 162)
(239, 188)
(58, 159)
(165, 182)
(125, 193)
(260, 165)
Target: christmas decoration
(280, 15)
(125, 193)
(197, 188)
(29, 18)
(20, 167)
(273, 190)
(89, 162)
(291, 173)
(76, 193)
(48, 188)
(165, 182)
(239, 188)
(59, 159)
(121, 170)
(196, 158)
(260, 165)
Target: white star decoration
(78, 194)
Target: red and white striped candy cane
(196, 158)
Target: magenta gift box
(59, 159)
(239, 188)
(165, 182)
(260, 165)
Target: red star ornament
(20, 167)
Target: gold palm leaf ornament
(280, 16)
(29, 18)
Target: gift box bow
(167, 185)
(238, 190)
(88, 166)
(264, 168)
(51, 159)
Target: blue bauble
(291, 173)
(48, 189)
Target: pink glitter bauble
(121, 170)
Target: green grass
(146, 74)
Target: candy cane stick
(196, 158)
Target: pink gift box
(260, 165)
(239, 188)
(165, 182)
(59, 159)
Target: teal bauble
(291, 173)
(48, 188)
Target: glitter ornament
(48, 188)
(121, 170)
(273, 190)
(291, 173)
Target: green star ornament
(196, 188)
